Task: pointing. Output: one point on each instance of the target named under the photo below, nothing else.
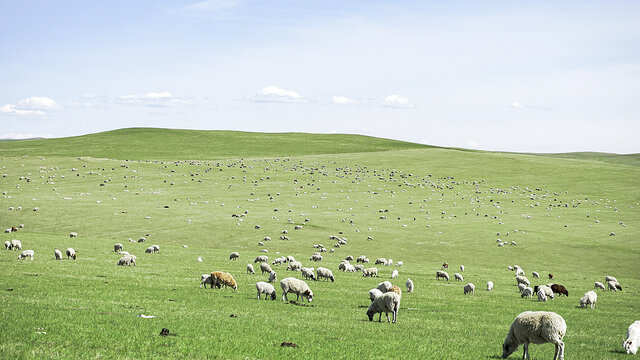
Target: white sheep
(206, 279)
(349, 268)
(71, 253)
(457, 277)
(73, 234)
(370, 272)
(521, 287)
(265, 268)
(535, 274)
(394, 274)
(469, 289)
(150, 250)
(234, 255)
(374, 293)
(296, 286)
(598, 285)
(409, 285)
(614, 285)
(126, 260)
(294, 266)
(16, 244)
(519, 272)
(123, 253)
(541, 295)
(261, 258)
(546, 289)
(58, 254)
(632, 341)
(291, 258)
(462, 268)
(610, 278)
(7, 245)
(267, 289)
(537, 327)
(273, 277)
(509, 267)
(489, 285)
(522, 280)
(199, 258)
(399, 263)
(25, 254)
(527, 293)
(381, 261)
(384, 286)
(442, 274)
(387, 303)
(250, 269)
(308, 273)
(324, 273)
(117, 247)
(156, 248)
(589, 298)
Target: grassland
(442, 205)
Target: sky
(544, 76)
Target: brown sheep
(550, 276)
(445, 265)
(221, 278)
(559, 289)
(396, 290)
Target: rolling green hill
(169, 144)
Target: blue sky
(494, 75)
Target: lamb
(522, 280)
(7, 245)
(598, 285)
(442, 274)
(234, 255)
(117, 247)
(250, 269)
(126, 260)
(630, 345)
(206, 279)
(527, 293)
(394, 274)
(71, 253)
(265, 268)
(409, 285)
(537, 327)
(559, 289)
(370, 272)
(261, 258)
(387, 303)
(469, 289)
(296, 286)
(384, 286)
(589, 298)
(294, 265)
(542, 296)
(324, 273)
(546, 289)
(16, 244)
(25, 254)
(308, 273)
(58, 254)
(374, 293)
(614, 285)
(273, 277)
(266, 289)
(489, 285)
(457, 277)
(535, 274)
(395, 289)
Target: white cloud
(30, 106)
(277, 95)
(343, 100)
(152, 99)
(397, 101)
(13, 136)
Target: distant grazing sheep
(559, 289)
(537, 327)
(521, 287)
(519, 272)
(489, 285)
(546, 289)
(294, 266)
(265, 268)
(394, 274)
(535, 274)
(234, 256)
(117, 247)
(399, 263)
(409, 285)
(457, 277)
(273, 277)
(16, 244)
(370, 272)
(223, 279)
(58, 254)
(527, 293)
(26, 254)
(126, 260)
(7, 245)
(71, 253)
(589, 298)
(632, 341)
(542, 297)
(73, 234)
(308, 273)
(522, 280)
(598, 285)
(324, 273)
(442, 274)
(381, 261)
(462, 268)
(250, 269)
(610, 278)
(360, 259)
(614, 285)
(150, 250)
(296, 286)
(267, 289)
(469, 289)
(445, 265)
(550, 276)
(387, 303)
(261, 258)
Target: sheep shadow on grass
(293, 302)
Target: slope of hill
(171, 144)
(624, 159)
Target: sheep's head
(508, 348)
(630, 346)
(273, 295)
(332, 279)
(309, 295)
(370, 313)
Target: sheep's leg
(387, 315)
(395, 316)
(258, 295)
(525, 354)
(380, 318)
(560, 350)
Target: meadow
(421, 205)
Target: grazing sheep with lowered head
(527, 293)
(489, 285)
(387, 303)
(234, 255)
(395, 289)
(296, 286)
(632, 341)
(7, 245)
(16, 244)
(535, 274)
(26, 254)
(469, 289)
(266, 289)
(117, 247)
(457, 277)
(537, 327)
(442, 274)
(206, 279)
(614, 285)
(308, 273)
(71, 253)
(589, 298)
(394, 274)
(265, 268)
(250, 269)
(559, 289)
(58, 254)
(273, 277)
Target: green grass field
(182, 188)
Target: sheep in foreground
(469, 289)
(394, 274)
(384, 286)
(457, 277)
(537, 327)
(273, 277)
(234, 256)
(26, 254)
(527, 293)
(117, 247)
(387, 303)
(266, 289)
(324, 273)
(296, 286)
(206, 279)
(71, 253)
(589, 298)
(374, 293)
(308, 273)
(442, 274)
(16, 244)
(250, 269)
(614, 285)
(598, 285)
(489, 285)
(409, 285)
(632, 341)
(58, 254)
